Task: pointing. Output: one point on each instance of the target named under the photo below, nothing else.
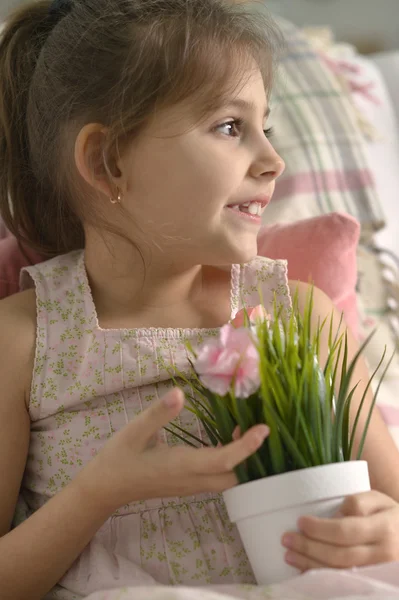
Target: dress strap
(262, 280)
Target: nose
(267, 162)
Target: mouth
(250, 209)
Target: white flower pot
(267, 508)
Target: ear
(98, 170)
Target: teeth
(254, 208)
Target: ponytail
(28, 200)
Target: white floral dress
(88, 382)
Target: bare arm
(380, 450)
(35, 555)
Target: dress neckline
(161, 332)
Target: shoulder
(19, 309)
(17, 339)
(322, 304)
(323, 310)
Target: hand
(364, 532)
(134, 465)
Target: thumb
(159, 414)
(365, 504)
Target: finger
(303, 563)
(223, 460)
(335, 557)
(147, 424)
(367, 503)
(235, 436)
(237, 433)
(218, 483)
(156, 439)
(347, 531)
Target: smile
(251, 210)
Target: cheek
(183, 179)
(211, 181)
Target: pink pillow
(324, 249)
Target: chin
(241, 253)
(245, 257)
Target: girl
(135, 130)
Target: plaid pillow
(317, 134)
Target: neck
(128, 288)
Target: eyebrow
(247, 105)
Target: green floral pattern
(88, 383)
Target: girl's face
(197, 191)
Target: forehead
(251, 93)
(245, 93)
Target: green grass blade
(365, 430)
(191, 435)
(328, 422)
(187, 442)
(360, 408)
(213, 434)
(348, 372)
(298, 459)
(256, 466)
(318, 395)
(240, 411)
(344, 437)
(307, 313)
(195, 401)
(340, 405)
(276, 451)
(224, 421)
(346, 377)
(307, 446)
(193, 409)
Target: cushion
(316, 131)
(323, 249)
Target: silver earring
(116, 200)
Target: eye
(268, 132)
(231, 128)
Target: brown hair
(66, 64)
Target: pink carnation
(231, 359)
(253, 313)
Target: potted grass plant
(262, 369)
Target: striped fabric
(317, 133)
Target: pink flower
(231, 359)
(253, 313)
